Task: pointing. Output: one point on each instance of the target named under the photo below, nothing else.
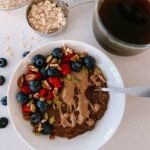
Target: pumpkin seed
(69, 76)
(52, 120)
(49, 102)
(54, 61)
(45, 116)
(29, 103)
(76, 81)
(49, 58)
(33, 108)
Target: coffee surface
(127, 20)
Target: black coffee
(127, 20)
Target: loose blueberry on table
(3, 62)
(41, 85)
(4, 101)
(2, 80)
(3, 122)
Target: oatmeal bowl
(52, 101)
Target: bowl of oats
(12, 4)
(51, 95)
(47, 17)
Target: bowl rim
(78, 43)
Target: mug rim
(112, 37)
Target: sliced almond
(46, 85)
(42, 99)
(102, 78)
(20, 80)
(33, 108)
(36, 95)
(49, 58)
(30, 77)
(55, 92)
(33, 68)
(54, 65)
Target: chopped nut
(46, 85)
(30, 77)
(42, 99)
(33, 68)
(20, 80)
(55, 92)
(36, 95)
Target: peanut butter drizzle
(83, 103)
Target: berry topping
(57, 52)
(35, 86)
(43, 72)
(42, 106)
(76, 66)
(36, 118)
(25, 108)
(49, 96)
(38, 76)
(25, 89)
(2, 80)
(47, 129)
(55, 81)
(3, 122)
(89, 62)
(65, 68)
(25, 53)
(4, 100)
(67, 58)
(21, 97)
(51, 72)
(39, 61)
(42, 92)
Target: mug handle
(75, 3)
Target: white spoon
(134, 91)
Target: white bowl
(91, 140)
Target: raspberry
(65, 68)
(49, 96)
(25, 89)
(55, 81)
(38, 76)
(67, 58)
(42, 92)
(25, 108)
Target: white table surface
(134, 131)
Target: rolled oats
(46, 17)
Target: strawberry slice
(49, 96)
(25, 108)
(38, 76)
(67, 58)
(43, 92)
(65, 68)
(55, 81)
(25, 89)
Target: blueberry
(4, 101)
(36, 118)
(35, 86)
(53, 72)
(22, 98)
(25, 53)
(89, 62)
(57, 52)
(42, 106)
(2, 80)
(3, 122)
(43, 71)
(39, 60)
(3, 62)
(47, 129)
(76, 66)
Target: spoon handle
(134, 91)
